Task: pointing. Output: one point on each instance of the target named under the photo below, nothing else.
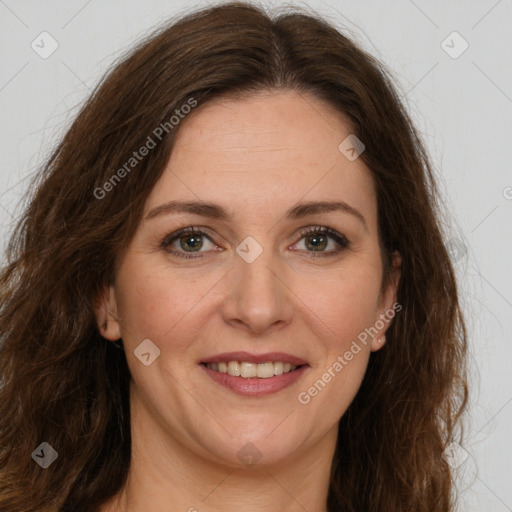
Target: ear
(106, 314)
(388, 305)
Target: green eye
(188, 242)
(187, 238)
(317, 240)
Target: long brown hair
(64, 384)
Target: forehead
(262, 151)
(268, 125)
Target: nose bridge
(254, 271)
(257, 295)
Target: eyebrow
(216, 211)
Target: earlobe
(106, 315)
(389, 304)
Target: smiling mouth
(252, 370)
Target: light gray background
(463, 107)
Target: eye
(316, 240)
(190, 240)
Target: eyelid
(198, 230)
(339, 239)
(189, 229)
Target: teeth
(234, 368)
(252, 370)
(265, 370)
(248, 370)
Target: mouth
(247, 370)
(254, 374)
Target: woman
(230, 288)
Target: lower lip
(255, 386)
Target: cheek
(347, 306)
(347, 303)
(156, 304)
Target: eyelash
(341, 240)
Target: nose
(258, 298)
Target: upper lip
(255, 358)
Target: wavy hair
(61, 382)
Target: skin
(257, 157)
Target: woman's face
(250, 176)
